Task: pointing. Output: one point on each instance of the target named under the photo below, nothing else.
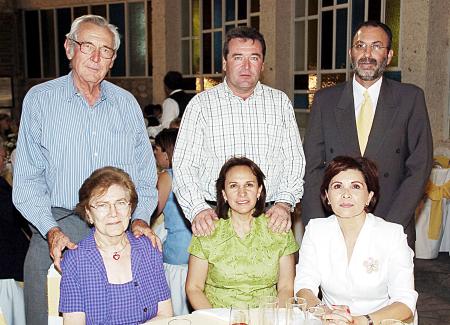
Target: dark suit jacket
(400, 143)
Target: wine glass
(391, 322)
(295, 311)
(315, 315)
(268, 310)
(239, 314)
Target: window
(45, 34)
(322, 36)
(204, 24)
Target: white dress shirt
(218, 125)
(170, 111)
(380, 271)
(358, 95)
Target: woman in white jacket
(361, 263)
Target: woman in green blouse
(243, 259)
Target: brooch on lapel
(371, 265)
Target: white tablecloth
(427, 248)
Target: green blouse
(242, 269)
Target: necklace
(116, 254)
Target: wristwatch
(369, 320)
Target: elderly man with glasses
(375, 117)
(70, 127)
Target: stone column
(425, 56)
(166, 44)
(276, 26)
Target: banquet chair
(53, 280)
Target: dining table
(221, 316)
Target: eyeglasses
(103, 208)
(374, 47)
(89, 48)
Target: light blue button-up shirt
(62, 140)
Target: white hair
(96, 20)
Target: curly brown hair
(342, 163)
(99, 182)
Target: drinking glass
(391, 322)
(315, 315)
(239, 314)
(180, 321)
(268, 310)
(295, 311)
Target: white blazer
(380, 271)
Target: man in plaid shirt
(239, 117)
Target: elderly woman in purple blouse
(112, 277)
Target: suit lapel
(346, 122)
(384, 117)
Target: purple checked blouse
(85, 287)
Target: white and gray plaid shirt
(218, 125)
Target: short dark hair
(375, 23)
(222, 206)
(166, 141)
(173, 80)
(244, 32)
(99, 182)
(342, 163)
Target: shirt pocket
(116, 148)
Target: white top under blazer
(380, 271)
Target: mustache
(367, 61)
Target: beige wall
(425, 55)
(166, 30)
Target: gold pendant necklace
(116, 254)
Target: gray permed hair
(96, 20)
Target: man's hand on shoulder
(280, 217)
(140, 228)
(203, 223)
(57, 242)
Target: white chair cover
(11, 302)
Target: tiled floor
(433, 284)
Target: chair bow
(436, 193)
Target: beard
(369, 75)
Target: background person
(112, 277)
(175, 248)
(70, 127)
(362, 263)
(14, 240)
(174, 105)
(243, 259)
(239, 117)
(394, 131)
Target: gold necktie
(364, 122)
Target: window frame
(125, 33)
(319, 72)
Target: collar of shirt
(175, 91)
(72, 91)
(225, 91)
(358, 94)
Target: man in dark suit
(374, 117)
